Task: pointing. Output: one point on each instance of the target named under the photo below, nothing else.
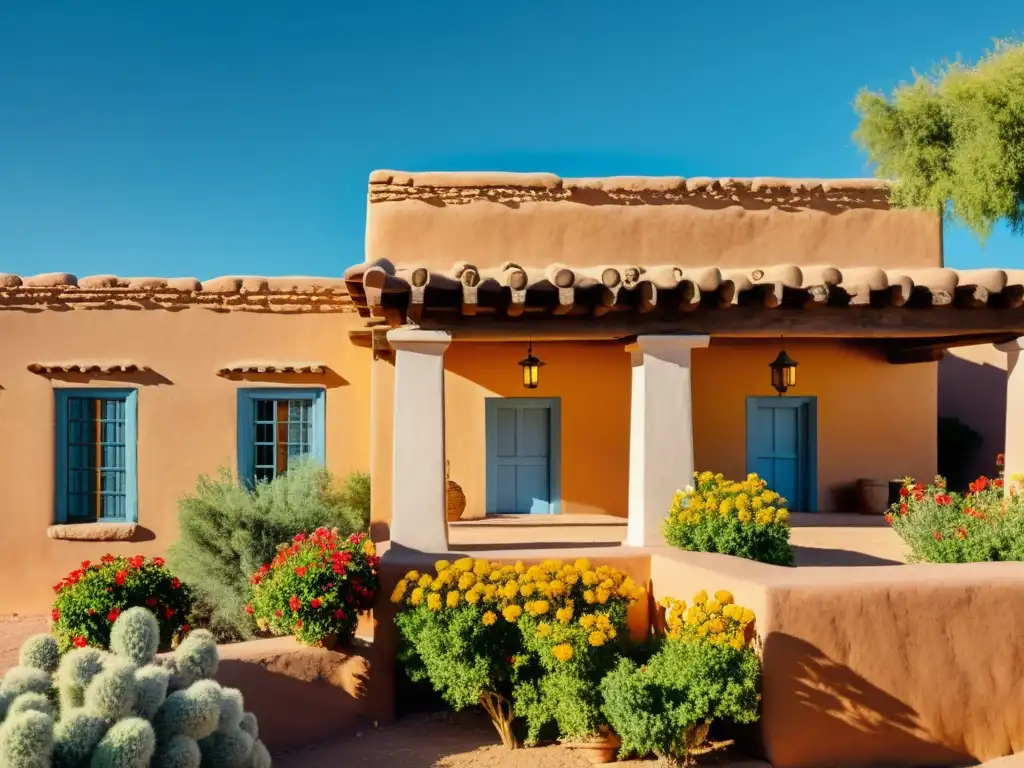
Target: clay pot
(603, 749)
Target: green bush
(125, 708)
(706, 670)
(227, 531)
(90, 599)
(744, 519)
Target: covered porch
(428, 329)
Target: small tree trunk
(500, 711)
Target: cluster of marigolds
(749, 501)
(982, 497)
(550, 592)
(718, 619)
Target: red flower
(58, 587)
(298, 624)
(151, 602)
(315, 602)
(294, 603)
(277, 614)
(300, 571)
(998, 482)
(321, 531)
(107, 559)
(339, 568)
(943, 500)
(55, 614)
(119, 578)
(918, 495)
(85, 564)
(339, 615)
(137, 561)
(904, 491)
(904, 509)
(961, 532)
(249, 609)
(114, 613)
(175, 584)
(79, 642)
(159, 562)
(937, 535)
(92, 611)
(299, 537)
(1000, 461)
(185, 629)
(168, 612)
(256, 578)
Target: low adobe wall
(892, 665)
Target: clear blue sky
(220, 137)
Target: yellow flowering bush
(744, 519)
(521, 640)
(706, 670)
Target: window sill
(92, 531)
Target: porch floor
(819, 539)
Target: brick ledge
(92, 531)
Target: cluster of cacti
(125, 708)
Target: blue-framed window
(97, 466)
(276, 428)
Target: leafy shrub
(942, 526)
(227, 531)
(705, 671)
(519, 640)
(90, 599)
(125, 708)
(315, 587)
(744, 519)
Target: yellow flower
(596, 639)
(412, 576)
(464, 564)
(510, 590)
(441, 565)
(769, 496)
(748, 616)
(590, 578)
(368, 548)
(481, 568)
(473, 596)
(434, 601)
(539, 607)
(743, 515)
(603, 595)
(763, 517)
(589, 596)
(526, 590)
(466, 581)
(723, 596)
(725, 507)
(543, 630)
(416, 598)
(562, 652)
(556, 588)
(564, 614)
(425, 580)
(452, 599)
(712, 606)
(399, 592)
(611, 632)
(781, 516)
(700, 598)
(587, 621)
(511, 613)
(489, 618)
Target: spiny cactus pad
(126, 708)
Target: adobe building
(656, 306)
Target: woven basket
(456, 498)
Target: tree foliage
(954, 140)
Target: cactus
(127, 708)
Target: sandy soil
(441, 740)
(13, 631)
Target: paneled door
(782, 447)
(523, 448)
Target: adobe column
(660, 432)
(1013, 450)
(418, 511)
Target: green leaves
(954, 141)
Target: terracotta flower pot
(602, 749)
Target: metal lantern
(531, 369)
(783, 370)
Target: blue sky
(206, 138)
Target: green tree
(954, 140)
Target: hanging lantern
(531, 369)
(783, 370)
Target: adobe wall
(972, 388)
(187, 414)
(436, 220)
(860, 399)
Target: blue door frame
(804, 416)
(554, 448)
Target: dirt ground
(441, 740)
(13, 632)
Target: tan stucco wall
(972, 388)
(436, 220)
(187, 415)
(875, 420)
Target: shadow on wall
(815, 557)
(974, 391)
(805, 692)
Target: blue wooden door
(521, 440)
(781, 447)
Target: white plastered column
(418, 497)
(1013, 449)
(660, 432)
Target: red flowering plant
(90, 599)
(943, 526)
(316, 587)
